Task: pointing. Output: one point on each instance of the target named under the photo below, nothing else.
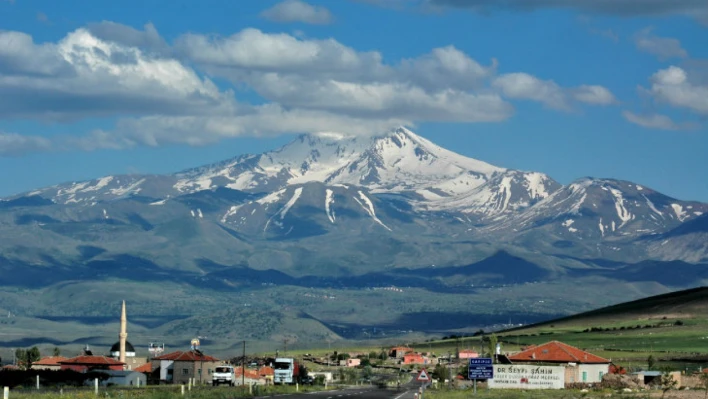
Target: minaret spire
(123, 336)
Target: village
(551, 365)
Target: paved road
(363, 392)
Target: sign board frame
(480, 368)
(423, 373)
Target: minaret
(123, 336)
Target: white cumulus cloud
(673, 86)
(298, 11)
(661, 47)
(82, 76)
(13, 144)
(651, 121)
(527, 87)
(159, 93)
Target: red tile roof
(190, 356)
(266, 371)
(49, 361)
(145, 368)
(556, 352)
(249, 373)
(102, 360)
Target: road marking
(399, 396)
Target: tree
(493, 346)
(33, 355)
(440, 372)
(667, 382)
(383, 355)
(368, 372)
(650, 362)
(56, 351)
(21, 358)
(373, 355)
(704, 381)
(25, 357)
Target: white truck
(224, 375)
(287, 371)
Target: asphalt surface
(406, 391)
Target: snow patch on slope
(284, 210)
(132, 188)
(680, 213)
(369, 208)
(651, 205)
(232, 211)
(622, 212)
(329, 200)
(290, 203)
(271, 198)
(535, 184)
(102, 182)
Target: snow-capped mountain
(395, 185)
(604, 207)
(399, 162)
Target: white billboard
(528, 377)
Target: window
(208, 371)
(282, 365)
(185, 371)
(601, 374)
(585, 376)
(199, 371)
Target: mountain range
(335, 212)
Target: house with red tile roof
(250, 377)
(85, 363)
(399, 351)
(268, 373)
(178, 367)
(414, 358)
(468, 354)
(145, 368)
(581, 366)
(48, 363)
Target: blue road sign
(481, 368)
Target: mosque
(123, 350)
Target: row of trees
(25, 357)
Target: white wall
(593, 372)
(528, 377)
(326, 374)
(164, 366)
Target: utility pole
(329, 350)
(449, 368)
(243, 366)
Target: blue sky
(571, 88)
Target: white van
(223, 375)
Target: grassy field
(161, 392)
(531, 394)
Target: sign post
(480, 368)
(423, 377)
